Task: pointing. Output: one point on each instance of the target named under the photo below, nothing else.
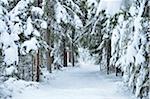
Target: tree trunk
(37, 57)
(64, 53)
(49, 67)
(33, 64)
(73, 62)
(108, 54)
(38, 3)
(38, 67)
(48, 53)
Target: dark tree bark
(33, 62)
(38, 67)
(39, 3)
(108, 48)
(146, 12)
(64, 52)
(73, 61)
(48, 53)
(73, 47)
(37, 58)
(49, 67)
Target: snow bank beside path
(13, 86)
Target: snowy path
(78, 83)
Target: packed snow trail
(84, 82)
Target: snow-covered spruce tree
(104, 47)
(33, 27)
(120, 38)
(66, 16)
(98, 30)
(21, 37)
(96, 43)
(139, 78)
(89, 9)
(84, 13)
(50, 33)
(6, 41)
(130, 48)
(12, 4)
(75, 27)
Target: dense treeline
(45, 34)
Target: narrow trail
(84, 82)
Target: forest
(40, 37)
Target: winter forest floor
(83, 82)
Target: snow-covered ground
(83, 82)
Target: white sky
(111, 6)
